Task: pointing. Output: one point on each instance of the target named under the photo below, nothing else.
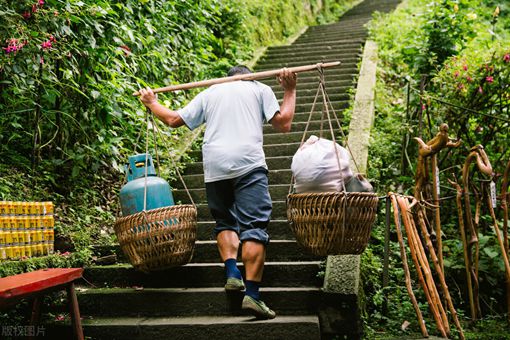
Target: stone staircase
(189, 302)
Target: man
(235, 169)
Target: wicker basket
(159, 238)
(332, 223)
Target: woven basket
(332, 223)
(159, 238)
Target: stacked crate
(26, 229)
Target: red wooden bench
(36, 284)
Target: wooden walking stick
(504, 252)
(462, 229)
(424, 274)
(427, 151)
(407, 273)
(504, 206)
(439, 271)
(476, 155)
(250, 76)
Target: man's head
(239, 69)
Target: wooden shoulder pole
(250, 76)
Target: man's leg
(253, 211)
(220, 198)
(228, 244)
(254, 256)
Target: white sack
(315, 166)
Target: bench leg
(36, 313)
(75, 311)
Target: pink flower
(460, 86)
(506, 58)
(45, 45)
(34, 8)
(469, 79)
(489, 79)
(59, 317)
(26, 15)
(456, 74)
(465, 68)
(52, 38)
(480, 90)
(41, 60)
(423, 107)
(41, 2)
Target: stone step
(185, 302)
(345, 24)
(310, 85)
(301, 125)
(207, 251)
(310, 82)
(286, 149)
(311, 78)
(194, 327)
(310, 57)
(317, 46)
(199, 275)
(332, 36)
(345, 65)
(276, 176)
(281, 162)
(277, 191)
(276, 251)
(279, 207)
(335, 96)
(278, 229)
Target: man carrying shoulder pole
(235, 169)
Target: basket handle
(150, 119)
(326, 106)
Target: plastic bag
(315, 166)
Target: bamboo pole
(407, 273)
(250, 76)
(424, 274)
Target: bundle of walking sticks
(424, 242)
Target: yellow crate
(11, 208)
(27, 250)
(8, 238)
(49, 235)
(4, 223)
(47, 208)
(3, 252)
(4, 210)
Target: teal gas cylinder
(159, 193)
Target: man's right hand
(148, 97)
(287, 79)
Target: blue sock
(232, 270)
(252, 289)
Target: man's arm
(167, 116)
(282, 120)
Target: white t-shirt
(234, 113)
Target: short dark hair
(239, 69)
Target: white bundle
(315, 166)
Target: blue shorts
(242, 204)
